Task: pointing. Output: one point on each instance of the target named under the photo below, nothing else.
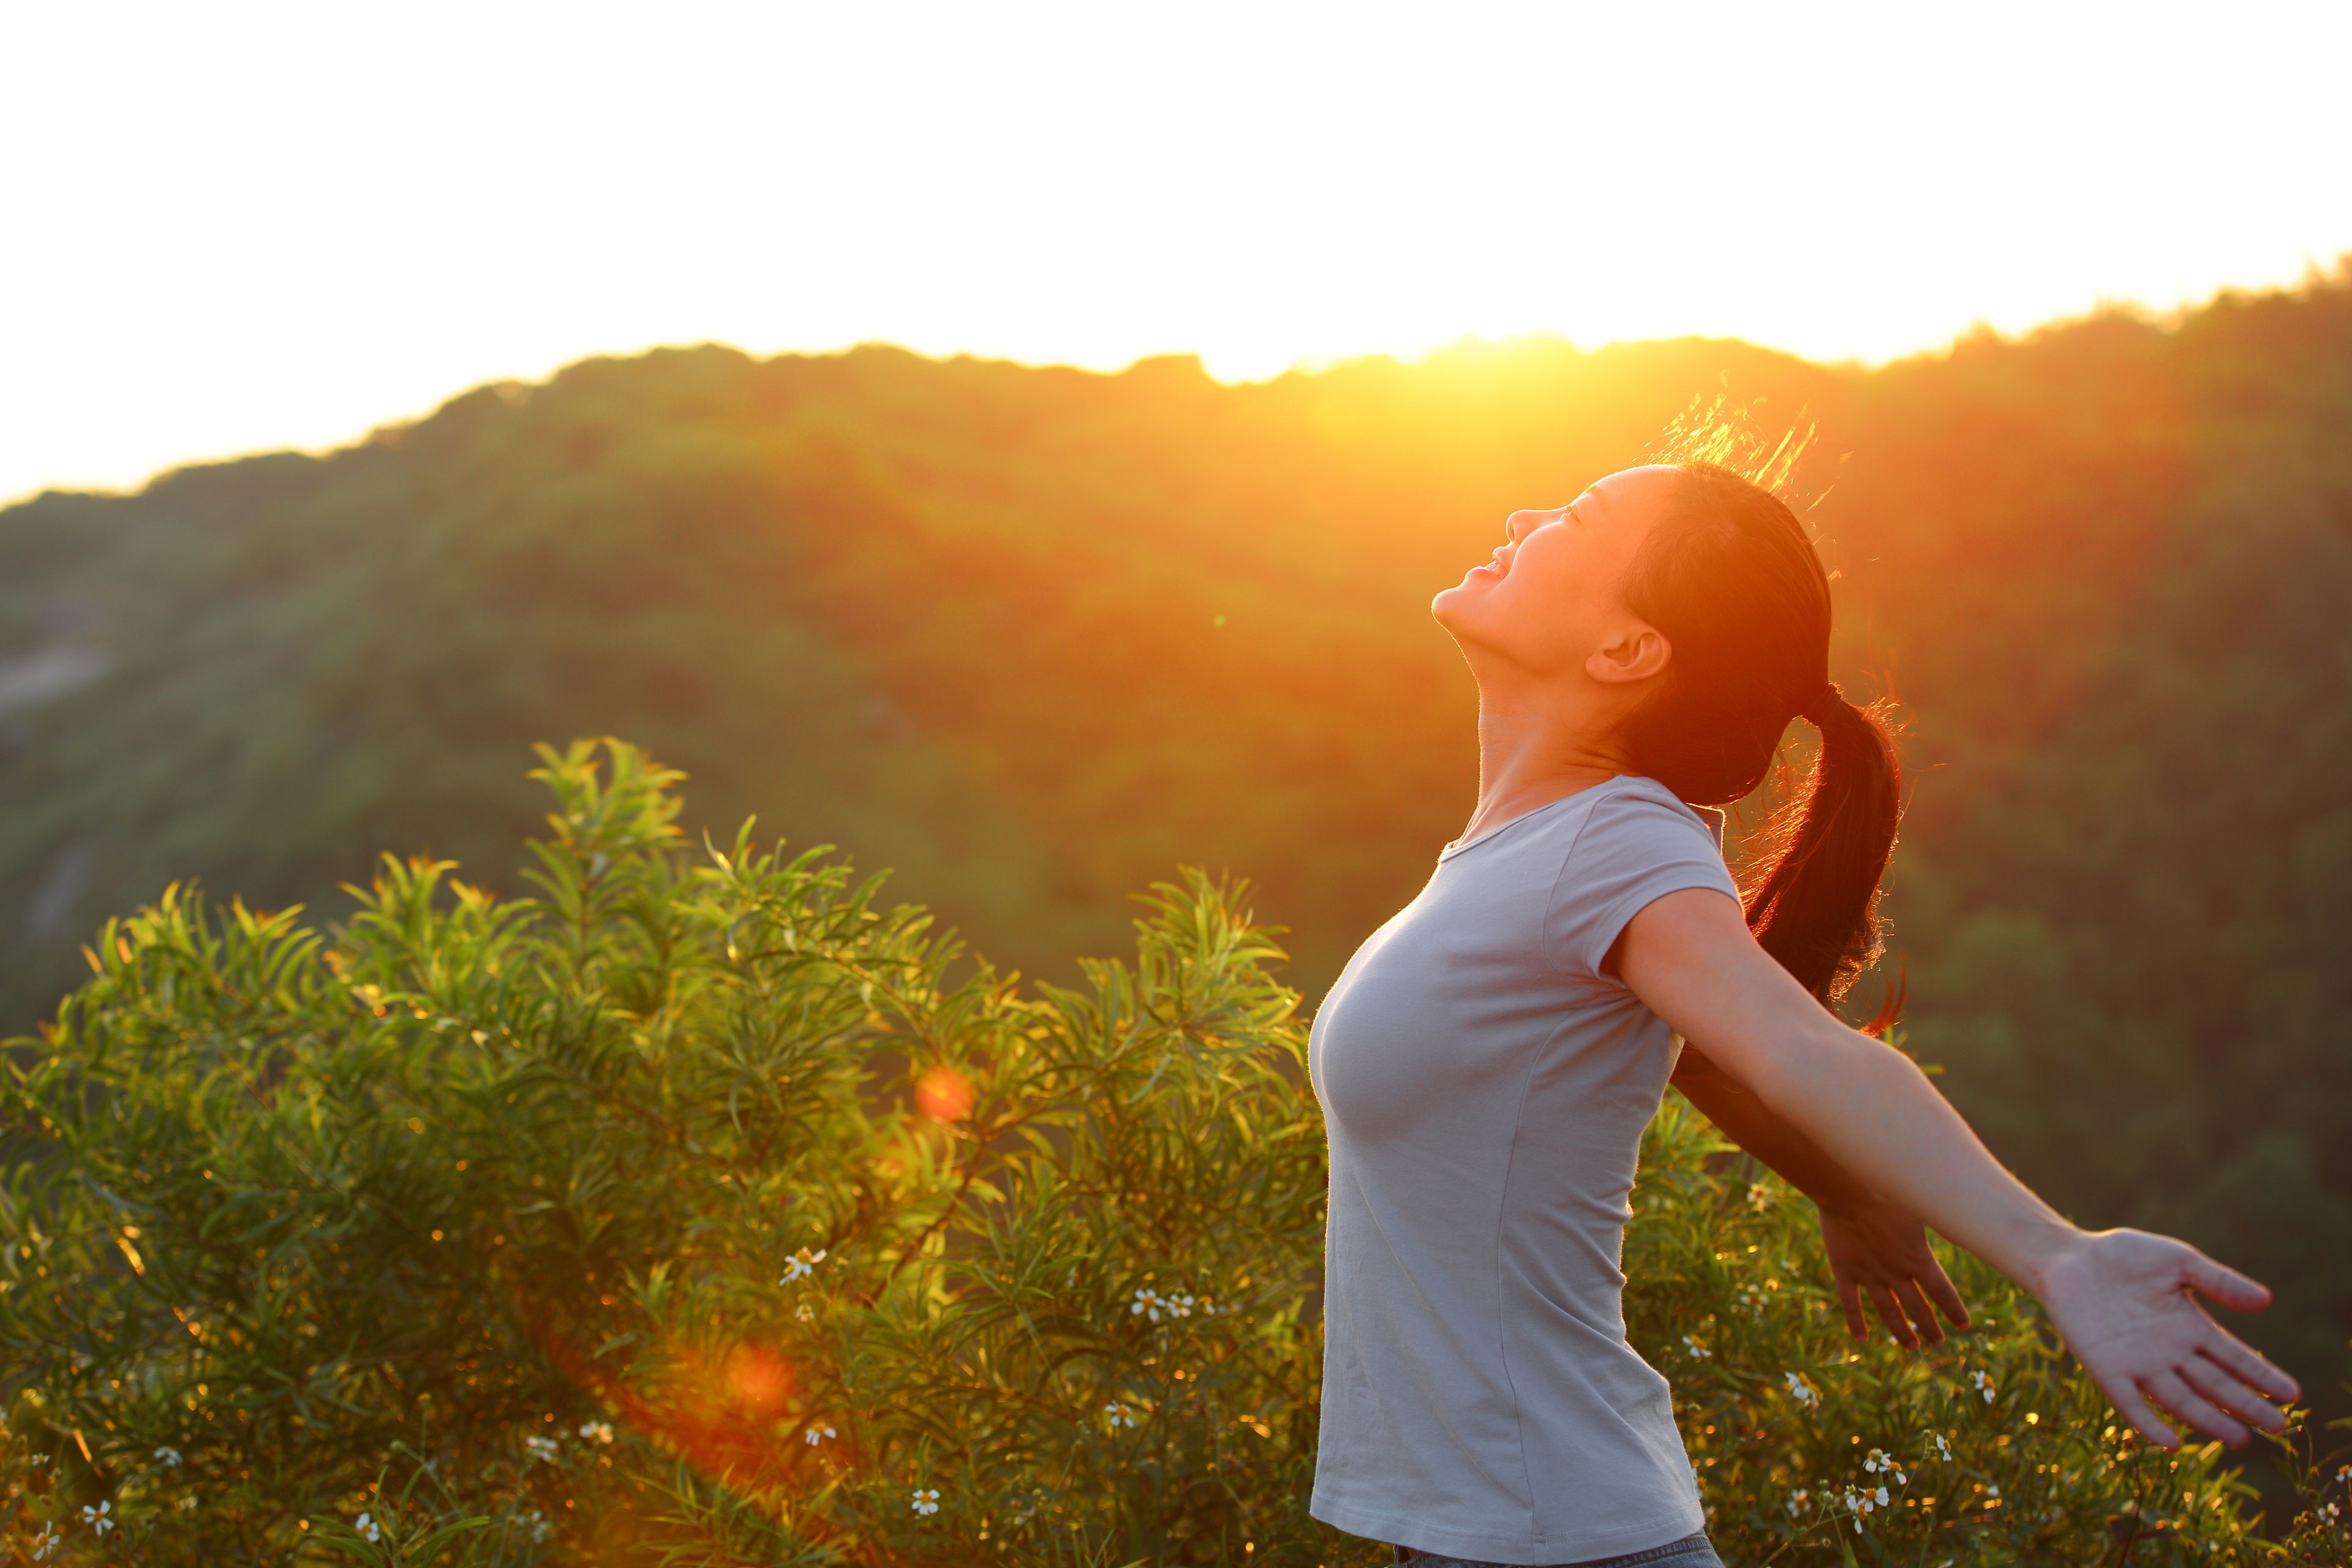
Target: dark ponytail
(1812, 890)
(1729, 576)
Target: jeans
(1690, 1551)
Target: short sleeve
(1638, 844)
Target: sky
(240, 227)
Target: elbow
(1692, 1067)
(1703, 1082)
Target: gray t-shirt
(1484, 1087)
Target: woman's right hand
(2125, 1302)
(1878, 1252)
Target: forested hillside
(1036, 637)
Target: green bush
(701, 1210)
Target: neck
(1536, 747)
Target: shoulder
(1631, 809)
(1639, 843)
(1636, 832)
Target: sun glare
(266, 225)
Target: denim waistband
(1690, 1551)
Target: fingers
(1923, 1317)
(2133, 1407)
(2242, 1361)
(1850, 1297)
(2173, 1391)
(1902, 1308)
(1945, 1294)
(2227, 1286)
(2233, 1396)
(1891, 1313)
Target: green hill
(1035, 636)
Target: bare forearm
(1690, 957)
(1874, 1113)
(1746, 1120)
(2123, 1299)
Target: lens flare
(944, 1094)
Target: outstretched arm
(2124, 1301)
(1878, 1249)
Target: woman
(1488, 1059)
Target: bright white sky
(231, 227)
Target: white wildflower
(1798, 1500)
(805, 1313)
(542, 1448)
(1119, 1416)
(1881, 1497)
(1943, 1449)
(45, 1543)
(168, 1458)
(801, 1265)
(597, 1431)
(1992, 1491)
(927, 1501)
(814, 1435)
(1151, 1304)
(100, 1517)
(1697, 1351)
(368, 1528)
(1800, 1390)
(1984, 1385)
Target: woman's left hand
(2126, 1303)
(1878, 1248)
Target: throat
(1538, 750)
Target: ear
(1635, 652)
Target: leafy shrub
(701, 1210)
(1993, 1449)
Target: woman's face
(1549, 600)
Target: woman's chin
(1451, 602)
